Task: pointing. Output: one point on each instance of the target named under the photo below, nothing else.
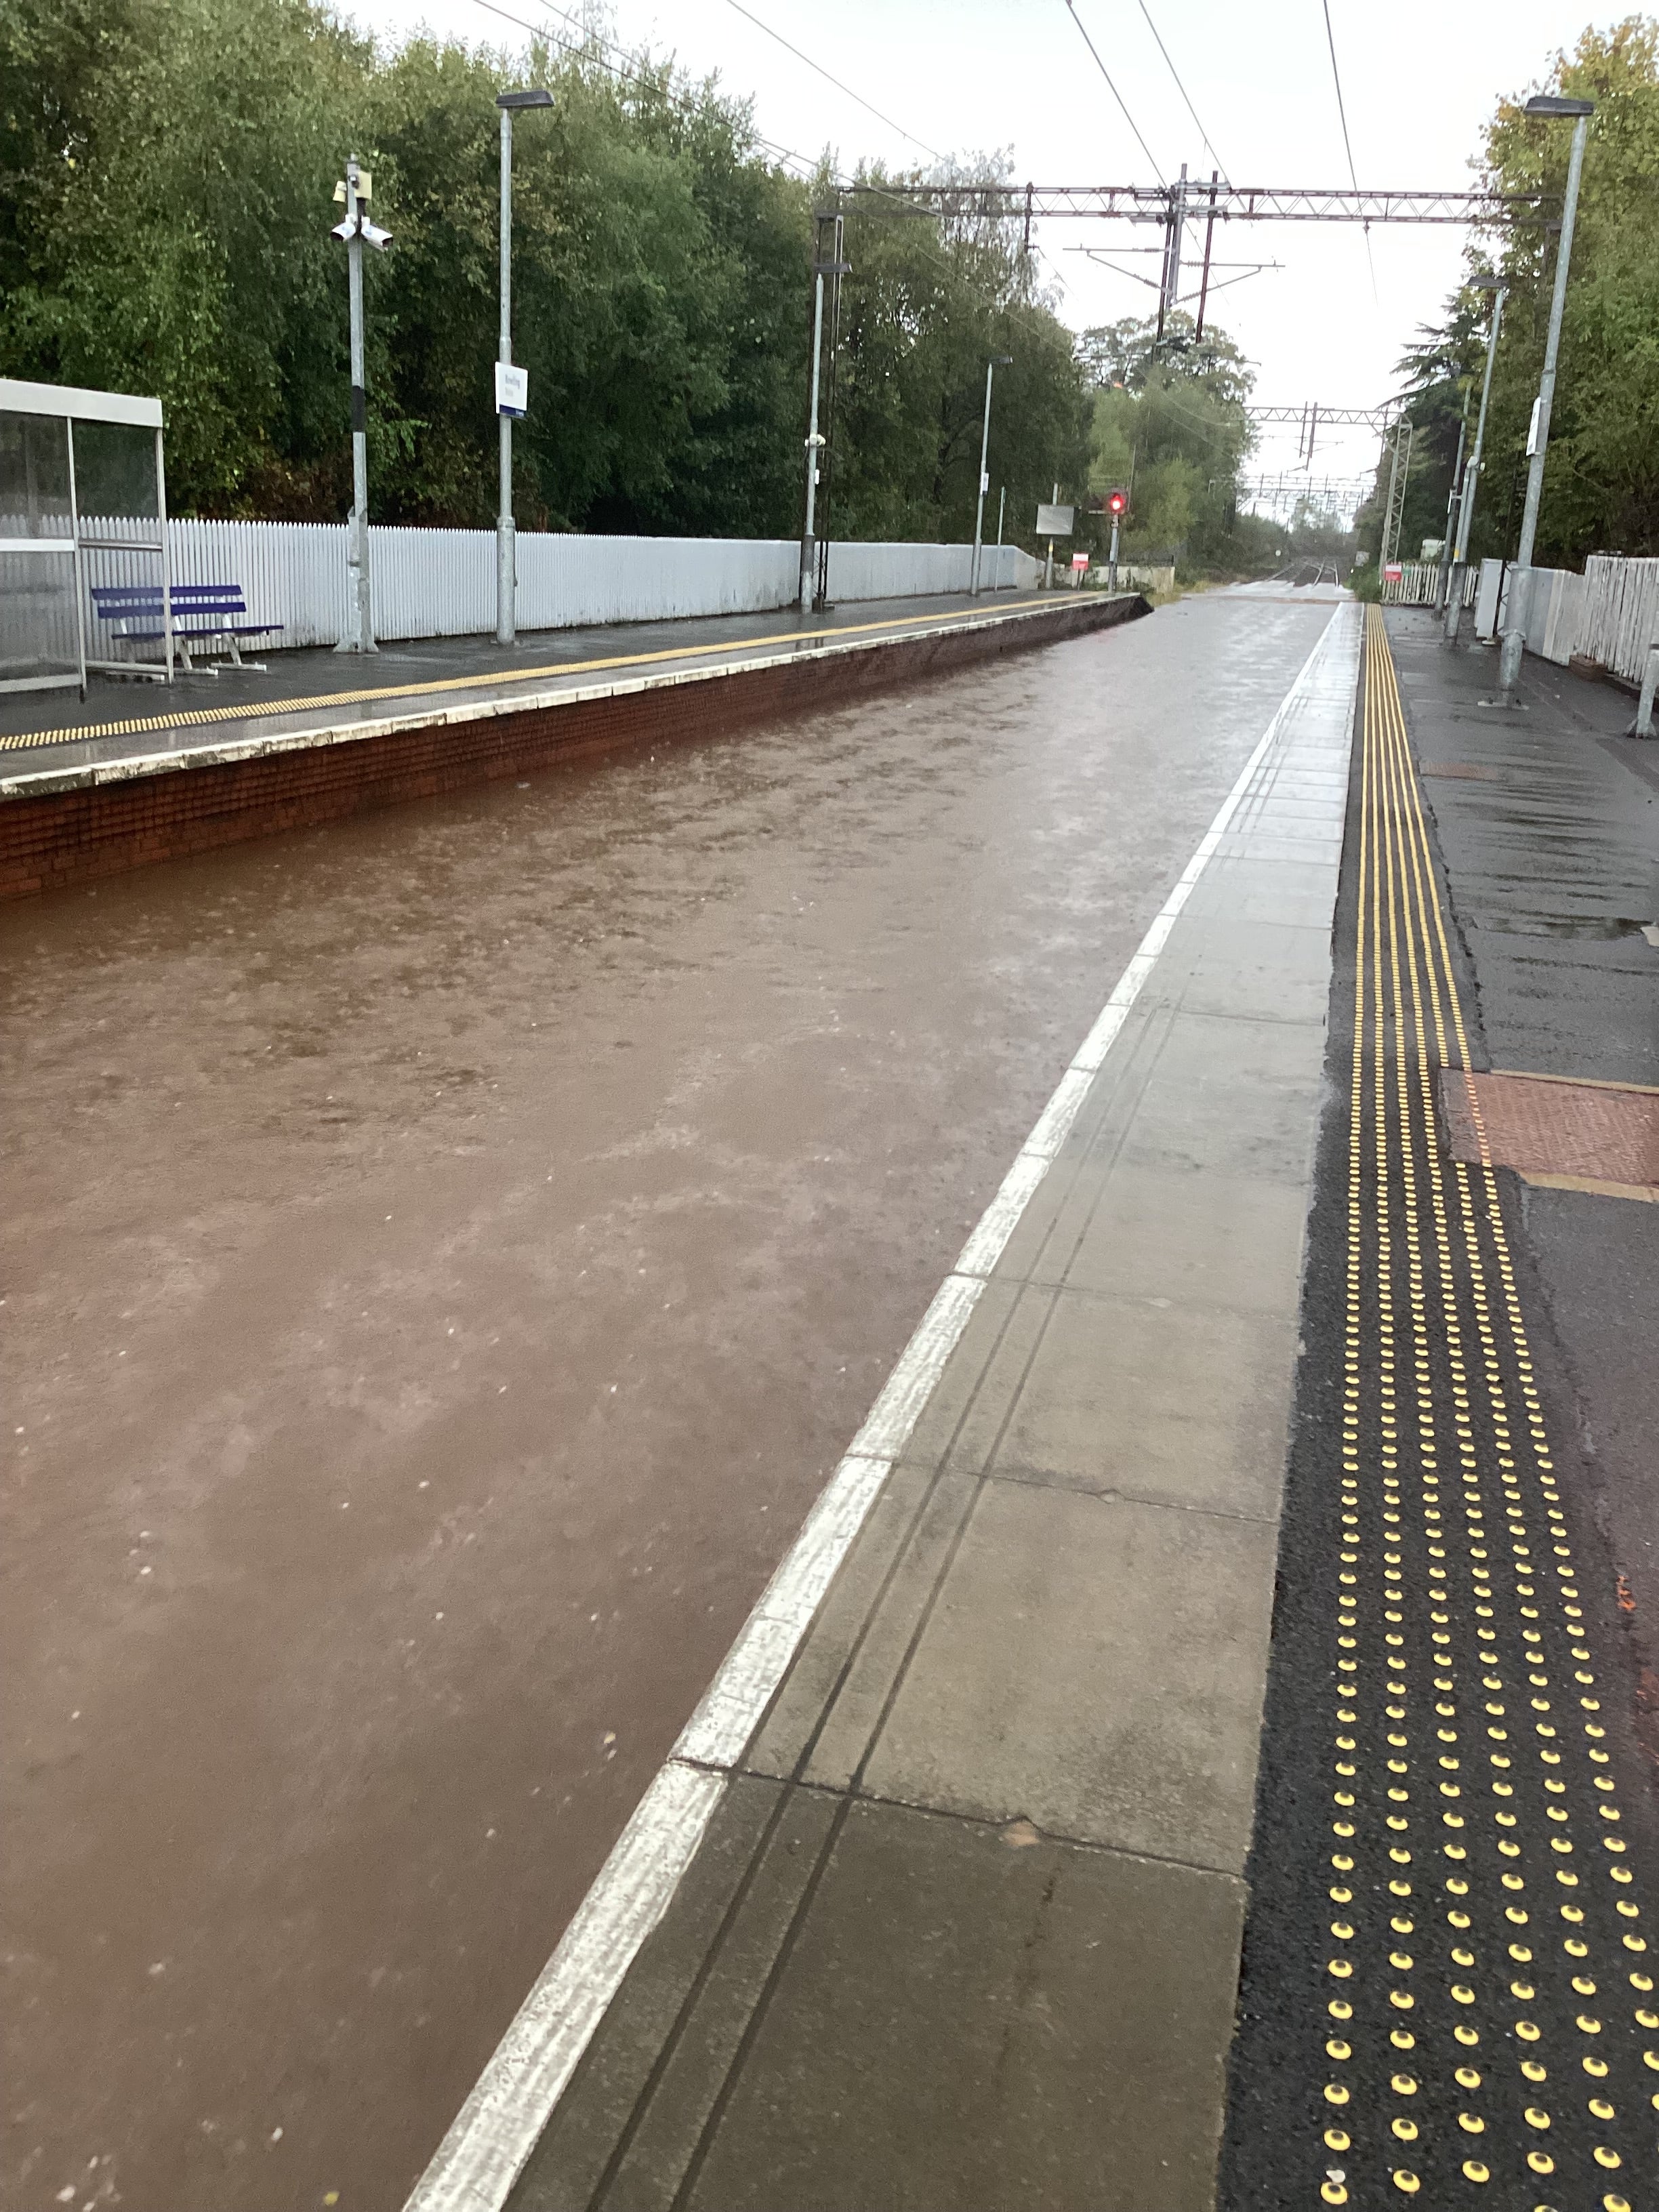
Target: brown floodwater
(444, 1255)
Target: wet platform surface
(122, 719)
(453, 1251)
(1449, 1988)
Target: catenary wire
(1070, 9)
(1182, 90)
(836, 80)
(1347, 144)
(615, 68)
(584, 53)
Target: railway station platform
(1105, 1804)
(136, 774)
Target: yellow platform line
(247, 710)
(1423, 1776)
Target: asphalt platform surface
(1448, 1993)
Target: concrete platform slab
(1094, 1665)
(1212, 1240)
(1100, 1986)
(966, 2019)
(1143, 1397)
(1233, 1096)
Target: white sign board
(511, 389)
(1054, 521)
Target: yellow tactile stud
(1429, 1271)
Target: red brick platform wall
(71, 837)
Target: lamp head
(1552, 103)
(536, 97)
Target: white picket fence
(1609, 615)
(1418, 585)
(1619, 617)
(441, 583)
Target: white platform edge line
(476, 2165)
(479, 2160)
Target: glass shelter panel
(115, 480)
(39, 616)
(118, 502)
(34, 477)
(39, 639)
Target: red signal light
(1116, 501)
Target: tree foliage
(930, 301)
(166, 169)
(1169, 427)
(1601, 482)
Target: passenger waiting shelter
(83, 515)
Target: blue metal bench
(209, 612)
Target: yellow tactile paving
(1495, 1966)
(498, 679)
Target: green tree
(930, 300)
(166, 169)
(1601, 483)
(1169, 426)
(163, 164)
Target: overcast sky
(1419, 77)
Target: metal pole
(1642, 726)
(1172, 264)
(984, 480)
(1515, 637)
(77, 561)
(359, 637)
(1002, 509)
(1111, 560)
(507, 576)
(1209, 233)
(1384, 556)
(166, 555)
(1049, 568)
(1472, 477)
(808, 546)
(1451, 512)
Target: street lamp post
(356, 231)
(1509, 663)
(1500, 292)
(812, 601)
(997, 361)
(507, 566)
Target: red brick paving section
(1605, 1132)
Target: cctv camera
(374, 236)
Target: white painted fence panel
(1418, 585)
(441, 583)
(1620, 618)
